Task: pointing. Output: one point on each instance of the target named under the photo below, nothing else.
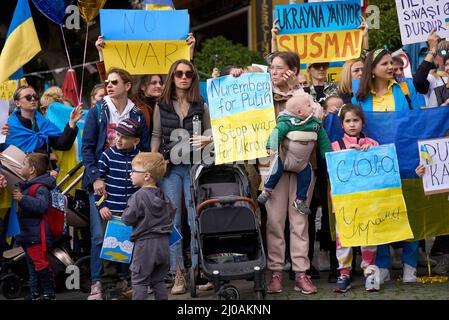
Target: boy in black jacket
(30, 214)
(151, 214)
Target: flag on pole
(22, 43)
(159, 5)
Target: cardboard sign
(318, 17)
(417, 18)
(242, 116)
(367, 196)
(144, 24)
(116, 244)
(436, 177)
(144, 57)
(323, 46)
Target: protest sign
(333, 72)
(367, 196)
(407, 67)
(318, 17)
(434, 155)
(144, 42)
(116, 244)
(144, 57)
(144, 24)
(4, 109)
(323, 46)
(417, 18)
(242, 116)
(321, 32)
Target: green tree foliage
(389, 33)
(220, 52)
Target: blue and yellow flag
(425, 155)
(428, 215)
(22, 43)
(159, 5)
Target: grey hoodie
(150, 212)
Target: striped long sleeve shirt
(115, 168)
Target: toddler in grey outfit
(151, 214)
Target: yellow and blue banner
(159, 5)
(367, 196)
(144, 42)
(321, 32)
(428, 215)
(242, 116)
(22, 43)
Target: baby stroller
(13, 267)
(227, 230)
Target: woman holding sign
(180, 106)
(379, 91)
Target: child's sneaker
(48, 296)
(372, 278)
(343, 284)
(303, 284)
(275, 285)
(264, 196)
(301, 206)
(409, 274)
(384, 275)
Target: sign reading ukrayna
(242, 116)
(320, 32)
(367, 196)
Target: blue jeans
(409, 254)
(96, 231)
(174, 184)
(303, 178)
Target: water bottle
(196, 125)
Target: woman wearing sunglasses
(30, 131)
(173, 120)
(99, 135)
(430, 73)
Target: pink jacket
(353, 140)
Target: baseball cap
(130, 128)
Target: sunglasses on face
(30, 97)
(180, 74)
(153, 83)
(113, 82)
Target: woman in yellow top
(378, 90)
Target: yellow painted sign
(371, 217)
(7, 89)
(323, 46)
(242, 136)
(145, 57)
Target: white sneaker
(396, 263)
(372, 280)
(323, 261)
(384, 275)
(409, 274)
(95, 292)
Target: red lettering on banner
(317, 45)
(331, 42)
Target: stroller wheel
(11, 287)
(84, 266)
(228, 292)
(192, 275)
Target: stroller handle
(228, 199)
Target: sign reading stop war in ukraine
(242, 116)
(142, 41)
(367, 196)
(417, 18)
(436, 176)
(322, 32)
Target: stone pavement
(393, 290)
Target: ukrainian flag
(159, 5)
(22, 43)
(428, 215)
(425, 155)
(446, 22)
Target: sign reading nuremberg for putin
(144, 41)
(417, 18)
(323, 32)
